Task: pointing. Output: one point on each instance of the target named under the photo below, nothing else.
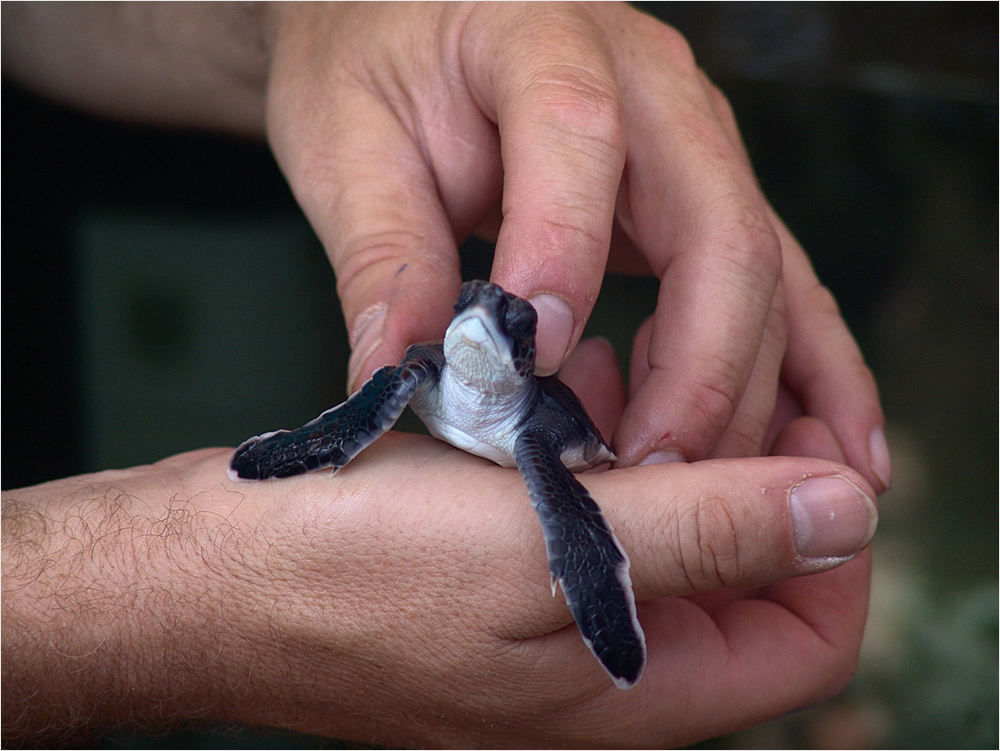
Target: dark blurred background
(162, 292)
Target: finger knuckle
(720, 102)
(746, 236)
(573, 80)
(714, 395)
(383, 252)
(707, 548)
(580, 103)
(745, 435)
(669, 44)
(821, 300)
(570, 228)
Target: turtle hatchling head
(491, 339)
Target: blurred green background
(162, 292)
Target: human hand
(406, 601)
(402, 129)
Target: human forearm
(120, 604)
(192, 64)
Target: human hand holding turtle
(587, 128)
(407, 601)
(395, 129)
(404, 128)
(476, 390)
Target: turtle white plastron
(477, 390)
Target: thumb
(735, 522)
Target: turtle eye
(521, 319)
(469, 292)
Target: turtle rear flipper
(585, 558)
(342, 432)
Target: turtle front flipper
(585, 558)
(342, 432)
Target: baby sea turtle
(477, 390)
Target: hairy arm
(120, 604)
(190, 64)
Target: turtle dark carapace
(477, 390)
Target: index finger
(551, 89)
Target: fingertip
(366, 337)
(742, 522)
(832, 517)
(825, 368)
(662, 456)
(556, 323)
(408, 308)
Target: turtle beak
(476, 328)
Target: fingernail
(831, 517)
(555, 327)
(663, 457)
(878, 454)
(366, 337)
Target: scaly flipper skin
(585, 558)
(341, 433)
